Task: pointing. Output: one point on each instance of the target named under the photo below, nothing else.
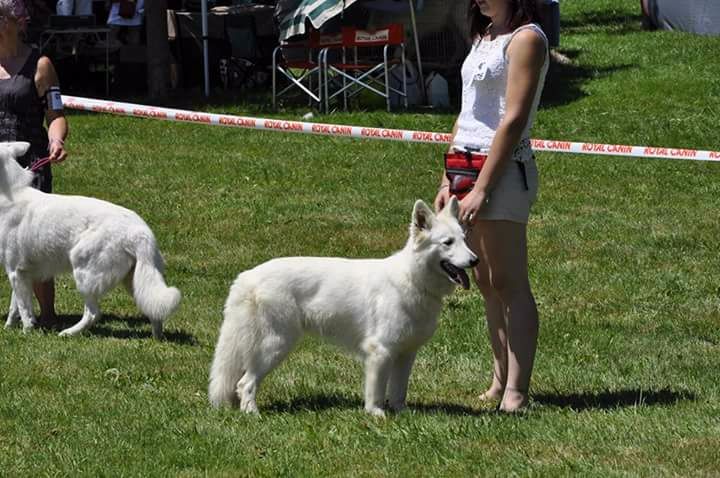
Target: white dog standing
(381, 309)
(43, 235)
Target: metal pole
(206, 63)
(421, 77)
(107, 63)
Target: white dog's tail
(153, 297)
(237, 336)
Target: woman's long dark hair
(521, 12)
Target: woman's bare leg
(494, 315)
(45, 293)
(503, 245)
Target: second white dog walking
(43, 235)
(381, 309)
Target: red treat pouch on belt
(462, 169)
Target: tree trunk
(158, 48)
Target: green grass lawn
(624, 264)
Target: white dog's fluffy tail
(236, 339)
(153, 297)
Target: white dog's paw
(12, 320)
(69, 333)
(28, 328)
(375, 411)
(250, 409)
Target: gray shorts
(510, 200)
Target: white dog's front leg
(377, 371)
(91, 314)
(14, 313)
(22, 291)
(399, 378)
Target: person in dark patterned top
(29, 99)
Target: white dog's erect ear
(453, 207)
(12, 175)
(422, 216)
(17, 148)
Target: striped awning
(293, 14)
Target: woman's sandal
(491, 397)
(523, 404)
(487, 396)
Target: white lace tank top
(484, 78)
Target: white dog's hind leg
(90, 315)
(14, 313)
(269, 353)
(399, 378)
(247, 390)
(377, 371)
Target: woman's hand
(56, 148)
(442, 197)
(470, 205)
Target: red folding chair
(366, 64)
(298, 62)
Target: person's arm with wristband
(47, 84)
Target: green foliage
(624, 265)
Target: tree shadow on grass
(606, 20)
(565, 81)
(134, 328)
(321, 402)
(611, 400)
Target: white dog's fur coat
(43, 235)
(381, 309)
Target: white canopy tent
(696, 16)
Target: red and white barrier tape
(345, 131)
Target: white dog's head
(441, 239)
(12, 175)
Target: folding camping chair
(298, 62)
(295, 61)
(362, 67)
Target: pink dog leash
(40, 163)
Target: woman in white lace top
(502, 78)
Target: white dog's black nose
(474, 262)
